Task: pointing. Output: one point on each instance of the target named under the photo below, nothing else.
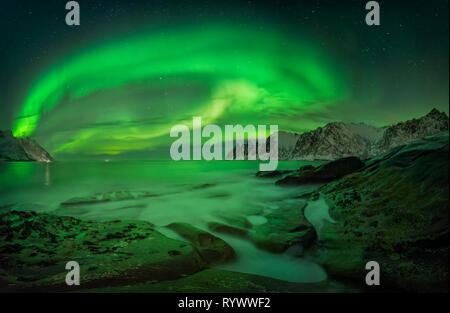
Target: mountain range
(333, 141)
(338, 139)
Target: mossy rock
(212, 249)
(34, 249)
(227, 229)
(285, 227)
(394, 211)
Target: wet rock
(218, 195)
(203, 186)
(394, 211)
(272, 174)
(227, 229)
(212, 249)
(322, 174)
(108, 196)
(305, 194)
(237, 219)
(284, 228)
(34, 249)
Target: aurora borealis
(240, 72)
(121, 92)
(252, 147)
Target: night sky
(116, 84)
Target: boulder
(322, 174)
(227, 229)
(284, 227)
(272, 174)
(34, 249)
(212, 249)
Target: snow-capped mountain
(337, 140)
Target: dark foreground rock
(21, 149)
(228, 229)
(34, 249)
(322, 174)
(394, 211)
(212, 249)
(274, 230)
(123, 256)
(285, 227)
(272, 174)
(221, 281)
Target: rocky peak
(435, 113)
(338, 140)
(404, 132)
(333, 141)
(21, 149)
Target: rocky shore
(124, 256)
(35, 248)
(392, 209)
(395, 211)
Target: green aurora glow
(126, 94)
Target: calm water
(193, 192)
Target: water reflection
(47, 180)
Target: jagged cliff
(338, 140)
(403, 133)
(21, 149)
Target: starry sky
(116, 84)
